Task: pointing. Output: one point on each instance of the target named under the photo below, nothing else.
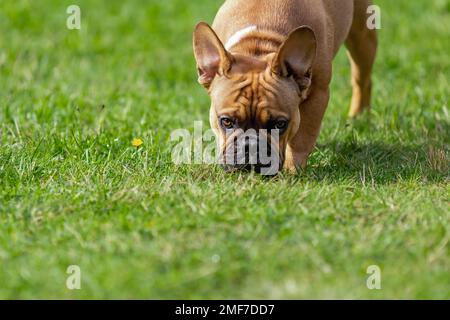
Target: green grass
(73, 190)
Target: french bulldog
(267, 66)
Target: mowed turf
(74, 190)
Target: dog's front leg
(311, 115)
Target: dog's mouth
(266, 170)
(259, 156)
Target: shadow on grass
(378, 163)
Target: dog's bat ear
(210, 54)
(296, 56)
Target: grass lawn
(74, 191)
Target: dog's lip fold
(248, 168)
(257, 168)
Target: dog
(267, 65)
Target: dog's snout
(251, 146)
(252, 152)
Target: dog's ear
(211, 56)
(296, 56)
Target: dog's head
(255, 101)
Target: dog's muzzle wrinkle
(252, 151)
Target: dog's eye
(227, 123)
(280, 125)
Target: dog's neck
(254, 41)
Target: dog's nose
(251, 146)
(251, 151)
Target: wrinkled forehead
(245, 64)
(242, 75)
(253, 94)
